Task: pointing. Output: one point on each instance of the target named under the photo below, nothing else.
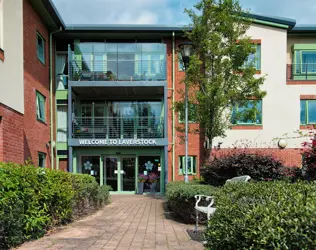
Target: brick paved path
(129, 222)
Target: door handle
(115, 171)
(122, 172)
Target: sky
(170, 12)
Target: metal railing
(117, 70)
(143, 127)
(302, 71)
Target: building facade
(98, 99)
(25, 94)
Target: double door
(120, 173)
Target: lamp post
(186, 50)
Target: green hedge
(181, 201)
(34, 199)
(264, 215)
(257, 215)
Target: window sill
(300, 82)
(1, 54)
(308, 127)
(246, 127)
(188, 174)
(41, 121)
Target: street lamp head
(186, 50)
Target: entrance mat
(196, 235)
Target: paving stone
(129, 222)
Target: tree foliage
(218, 77)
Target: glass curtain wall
(119, 61)
(120, 119)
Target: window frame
(245, 123)
(180, 62)
(306, 111)
(298, 60)
(181, 121)
(38, 35)
(38, 108)
(41, 154)
(181, 159)
(257, 56)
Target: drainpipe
(173, 111)
(51, 96)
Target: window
(192, 115)
(41, 159)
(40, 107)
(180, 62)
(308, 112)
(40, 48)
(62, 123)
(255, 58)
(191, 165)
(251, 113)
(305, 61)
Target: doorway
(120, 173)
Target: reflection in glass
(148, 165)
(111, 172)
(91, 165)
(128, 174)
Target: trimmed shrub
(181, 201)
(34, 199)
(264, 215)
(259, 167)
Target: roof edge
(52, 10)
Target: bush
(34, 199)
(264, 215)
(309, 159)
(181, 201)
(259, 167)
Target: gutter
(52, 144)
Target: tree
(220, 74)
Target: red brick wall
(63, 164)
(289, 156)
(11, 135)
(195, 147)
(36, 78)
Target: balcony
(304, 73)
(118, 62)
(145, 127)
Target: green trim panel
(61, 94)
(282, 26)
(304, 47)
(61, 146)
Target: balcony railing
(99, 61)
(118, 70)
(144, 127)
(301, 72)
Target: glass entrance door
(111, 172)
(120, 173)
(128, 173)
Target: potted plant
(141, 180)
(153, 179)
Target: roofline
(52, 10)
(281, 22)
(125, 27)
(304, 28)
